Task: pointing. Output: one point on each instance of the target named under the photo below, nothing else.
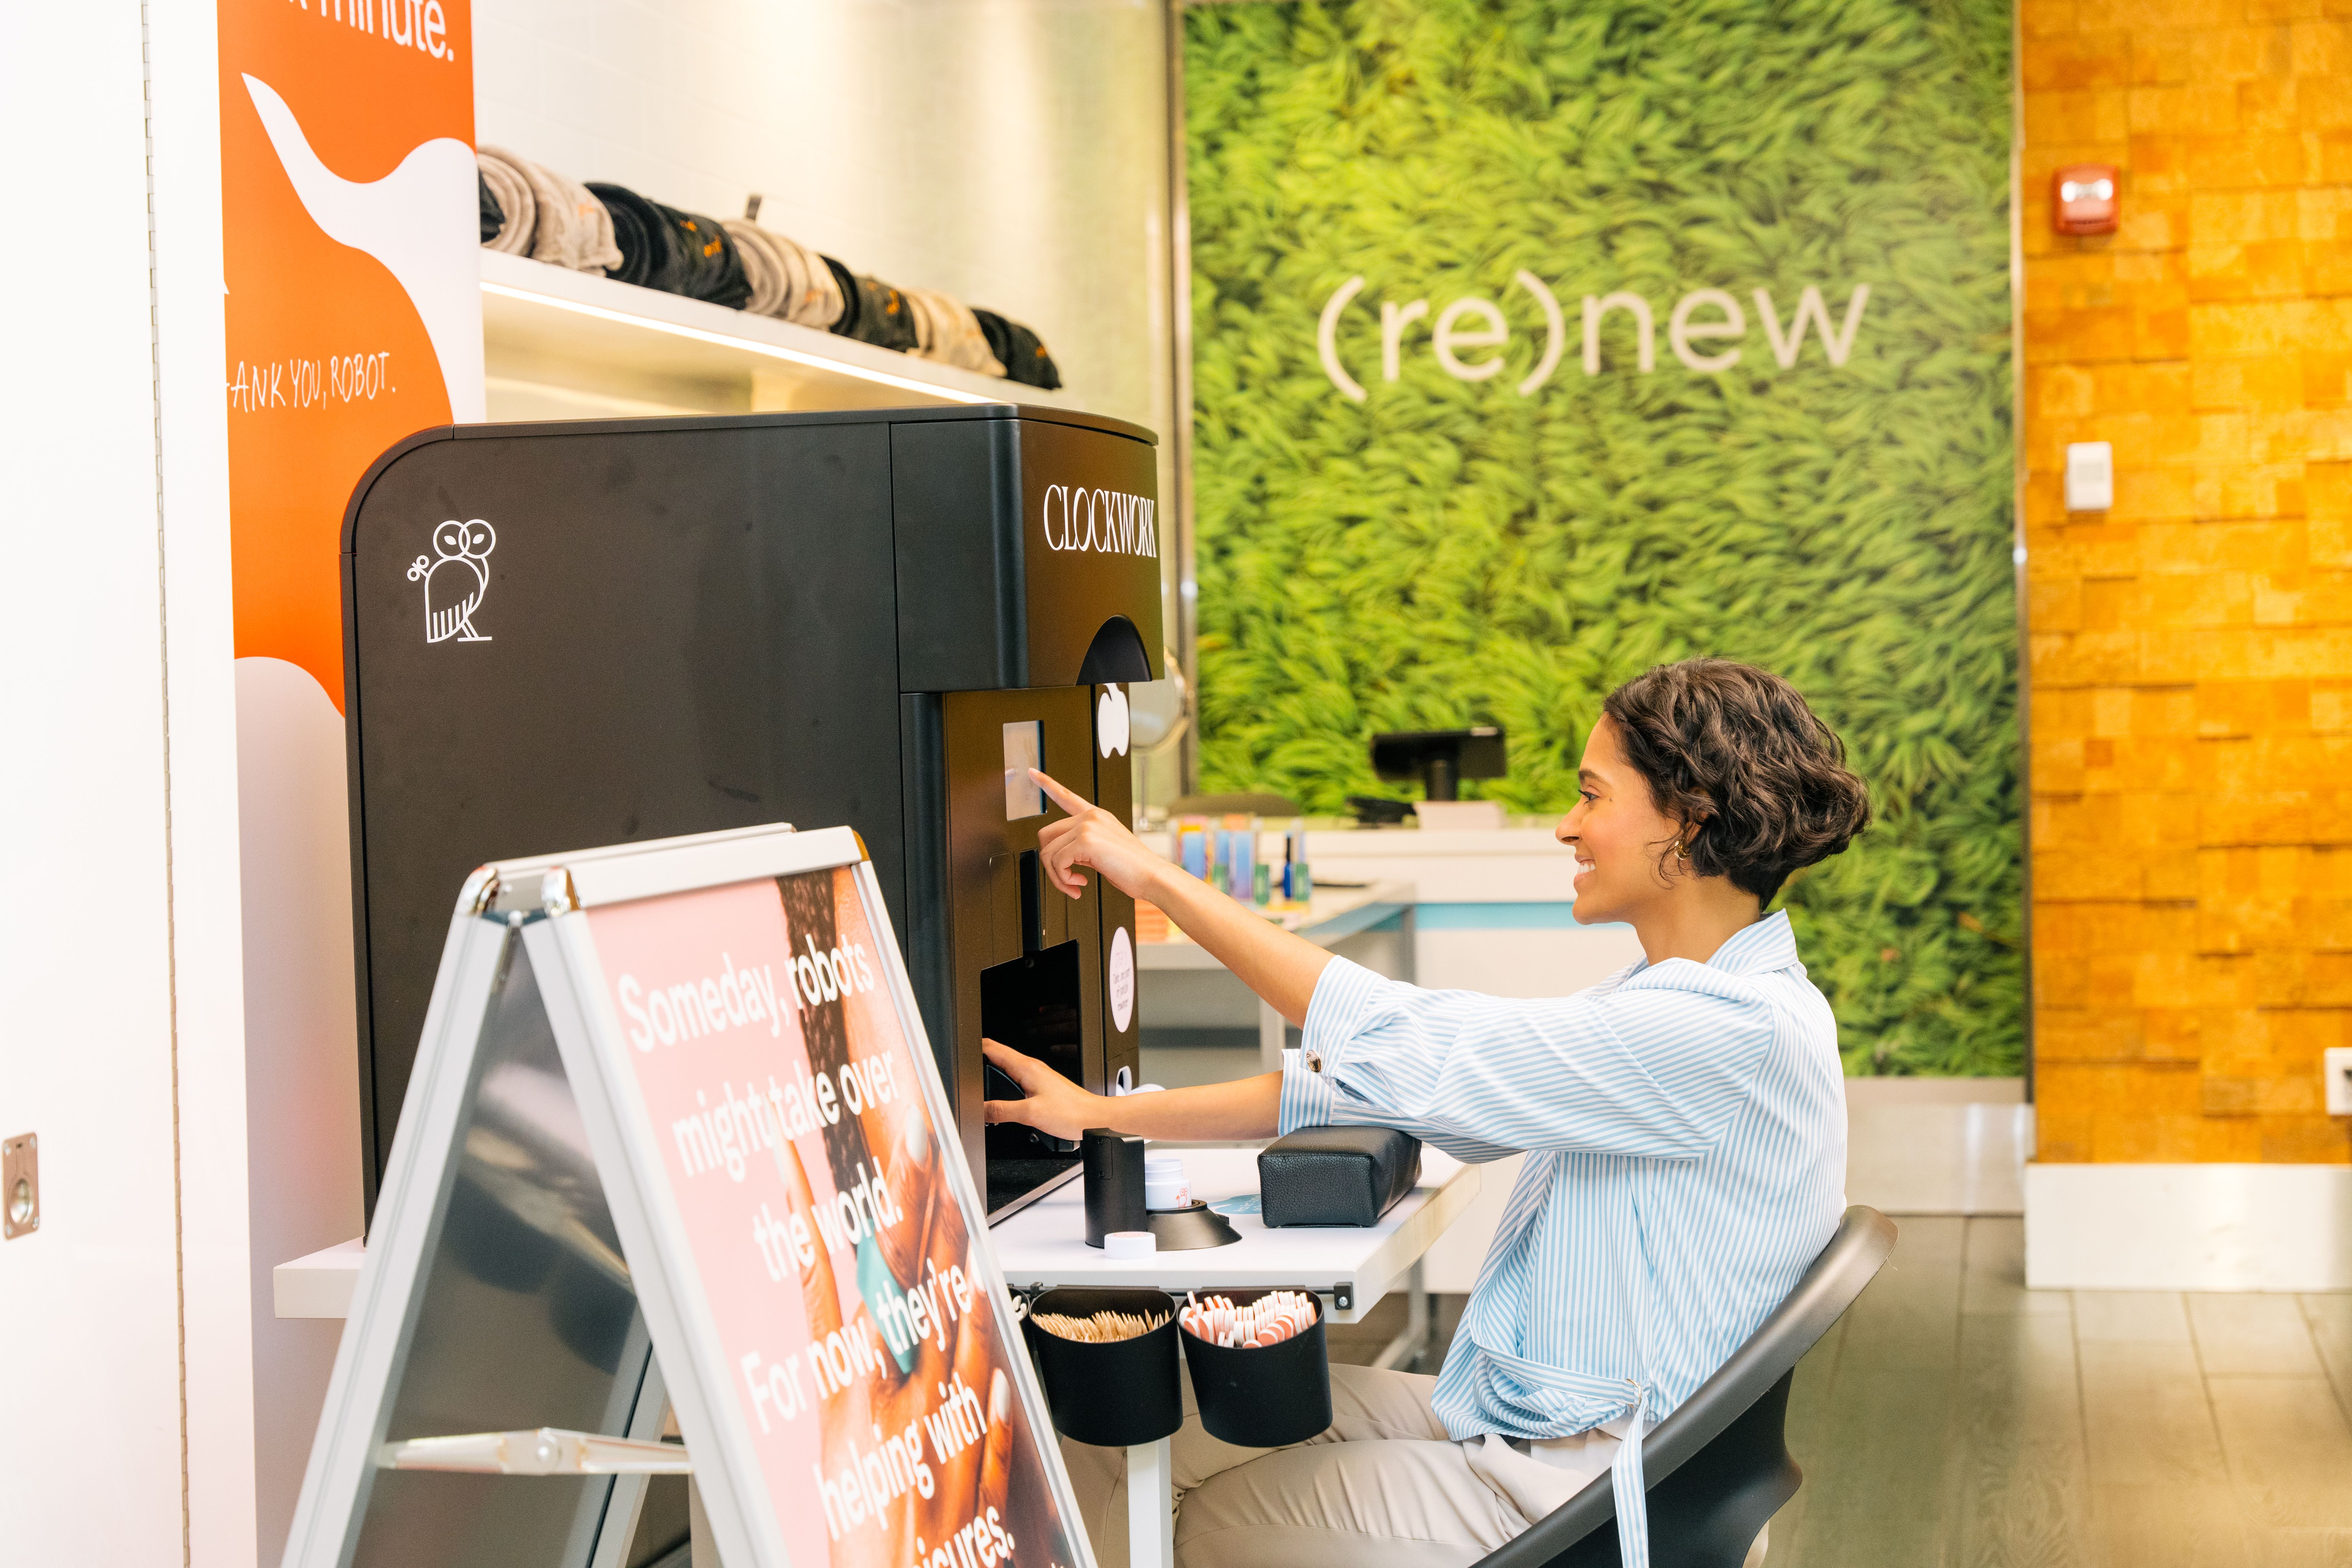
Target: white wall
(1010, 152)
(301, 1054)
(126, 1405)
(90, 1398)
(2189, 1228)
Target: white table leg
(1270, 1038)
(1150, 1506)
(1411, 1342)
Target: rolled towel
(845, 282)
(817, 299)
(884, 316)
(1023, 352)
(947, 331)
(673, 251)
(494, 217)
(512, 191)
(573, 228)
(710, 266)
(876, 313)
(642, 237)
(764, 267)
(788, 280)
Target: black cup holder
(1117, 1395)
(1193, 1226)
(1267, 1396)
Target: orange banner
(350, 232)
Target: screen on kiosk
(837, 1262)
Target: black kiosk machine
(569, 634)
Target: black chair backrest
(1718, 1469)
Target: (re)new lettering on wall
(1702, 316)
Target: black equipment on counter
(642, 628)
(1190, 1228)
(1440, 759)
(1114, 1178)
(1336, 1175)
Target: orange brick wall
(2190, 650)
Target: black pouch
(648, 253)
(1021, 350)
(1336, 1175)
(709, 265)
(873, 311)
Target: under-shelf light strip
(794, 356)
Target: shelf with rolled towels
(598, 301)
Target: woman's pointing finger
(1067, 799)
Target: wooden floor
(1956, 1418)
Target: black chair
(1718, 1469)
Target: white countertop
(1518, 864)
(1046, 1242)
(1332, 914)
(1522, 835)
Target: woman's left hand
(1054, 1106)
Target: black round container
(1267, 1396)
(1115, 1394)
(1195, 1226)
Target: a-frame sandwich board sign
(674, 1129)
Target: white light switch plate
(2337, 1063)
(2090, 476)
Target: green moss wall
(1451, 549)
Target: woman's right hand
(1092, 836)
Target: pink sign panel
(833, 1255)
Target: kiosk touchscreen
(675, 1140)
(612, 632)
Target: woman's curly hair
(1734, 754)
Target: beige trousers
(1383, 1487)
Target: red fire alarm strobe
(2085, 198)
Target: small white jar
(1165, 1184)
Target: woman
(1684, 1121)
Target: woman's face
(1616, 831)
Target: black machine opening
(1031, 1003)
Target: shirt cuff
(1310, 1087)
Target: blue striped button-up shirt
(1685, 1128)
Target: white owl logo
(454, 585)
